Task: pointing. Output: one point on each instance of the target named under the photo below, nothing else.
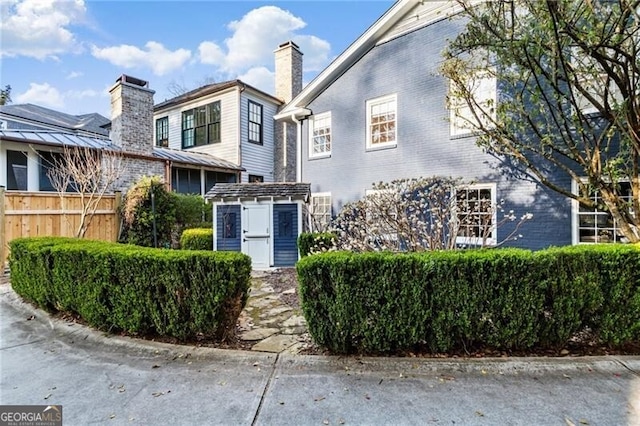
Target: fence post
(3, 250)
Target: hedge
(197, 239)
(138, 290)
(312, 242)
(507, 299)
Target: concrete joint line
(22, 344)
(274, 366)
(624, 364)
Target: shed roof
(194, 158)
(46, 137)
(267, 190)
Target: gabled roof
(426, 11)
(272, 190)
(211, 89)
(90, 123)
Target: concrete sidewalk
(112, 380)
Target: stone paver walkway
(269, 323)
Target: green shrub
(140, 290)
(197, 239)
(139, 213)
(507, 299)
(315, 242)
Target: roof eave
(349, 57)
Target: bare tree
(569, 101)
(423, 214)
(89, 173)
(177, 88)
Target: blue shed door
(285, 234)
(228, 228)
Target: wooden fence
(40, 214)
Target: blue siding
(285, 234)
(408, 67)
(228, 228)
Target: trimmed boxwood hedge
(507, 299)
(197, 239)
(139, 290)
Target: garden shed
(262, 220)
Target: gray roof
(47, 137)
(209, 89)
(194, 158)
(293, 190)
(53, 138)
(90, 123)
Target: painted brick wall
(408, 67)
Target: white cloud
(41, 94)
(210, 53)
(260, 78)
(254, 39)
(39, 28)
(74, 74)
(156, 57)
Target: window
(256, 179)
(320, 211)
(16, 170)
(462, 118)
(476, 214)
(185, 181)
(255, 122)
(201, 125)
(381, 122)
(229, 227)
(596, 225)
(320, 137)
(162, 132)
(49, 160)
(211, 178)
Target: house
(380, 112)
(233, 121)
(31, 136)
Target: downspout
(242, 88)
(298, 146)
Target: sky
(66, 54)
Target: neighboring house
(380, 112)
(32, 135)
(234, 121)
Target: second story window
(162, 132)
(320, 138)
(255, 122)
(201, 125)
(381, 122)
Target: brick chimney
(132, 115)
(288, 70)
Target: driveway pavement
(100, 379)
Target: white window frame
(313, 128)
(477, 241)
(326, 214)
(485, 89)
(370, 104)
(597, 226)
